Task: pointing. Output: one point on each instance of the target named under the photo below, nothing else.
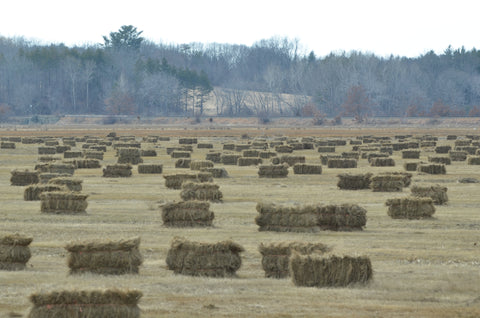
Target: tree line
(130, 75)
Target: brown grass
(421, 268)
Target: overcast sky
(399, 27)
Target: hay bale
(151, 139)
(86, 163)
(342, 163)
(216, 172)
(47, 176)
(443, 149)
(351, 155)
(286, 219)
(220, 259)
(266, 154)
(229, 159)
(400, 146)
(228, 147)
(85, 304)
(169, 150)
(387, 183)
(59, 202)
(406, 177)
(473, 160)
(284, 149)
(242, 147)
(129, 155)
(428, 144)
(249, 161)
(148, 153)
(102, 148)
(183, 163)
(457, 155)
(445, 160)
(48, 158)
(187, 214)
(310, 218)
(303, 168)
(308, 145)
(62, 148)
(329, 271)
(127, 145)
(23, 177)
(468, 180)
(436, 192)
(63, 168)
(470, 150)
(411, 166)
(410, 154)
(273, 171)
(250, 153)
(14, 252)
(214, 157)
(105, 257)
(31, 140)
(180, 154)
(13, 139)
(386, 150)
(204, 191)
(432, 169)
(343, 217)
(274, 144)
(296, 145)
(462, 142)
(93, 155)
(187, 141)
(276, 256)
(204, 146)
(32, 192)
(69, 183)
(291, 160)
(47, 150)
(198, 164)
(174, 181)
(382, 162)
(117, 170)
(324, 158)
(150, 168)
(354, 181)
(372, 155)
(7, 145)
(260, 144)
(72, 154)
(70, 143)
(410, 208)
(326, 149)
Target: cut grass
(422, 268)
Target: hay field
(421, 268)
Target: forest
(129, 75)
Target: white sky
(399, 27)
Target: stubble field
(422, 268)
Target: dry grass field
(422, 268)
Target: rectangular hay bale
(187, 214)
(329, 271)
(105, 257)
(220, 259)
(86, 304)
